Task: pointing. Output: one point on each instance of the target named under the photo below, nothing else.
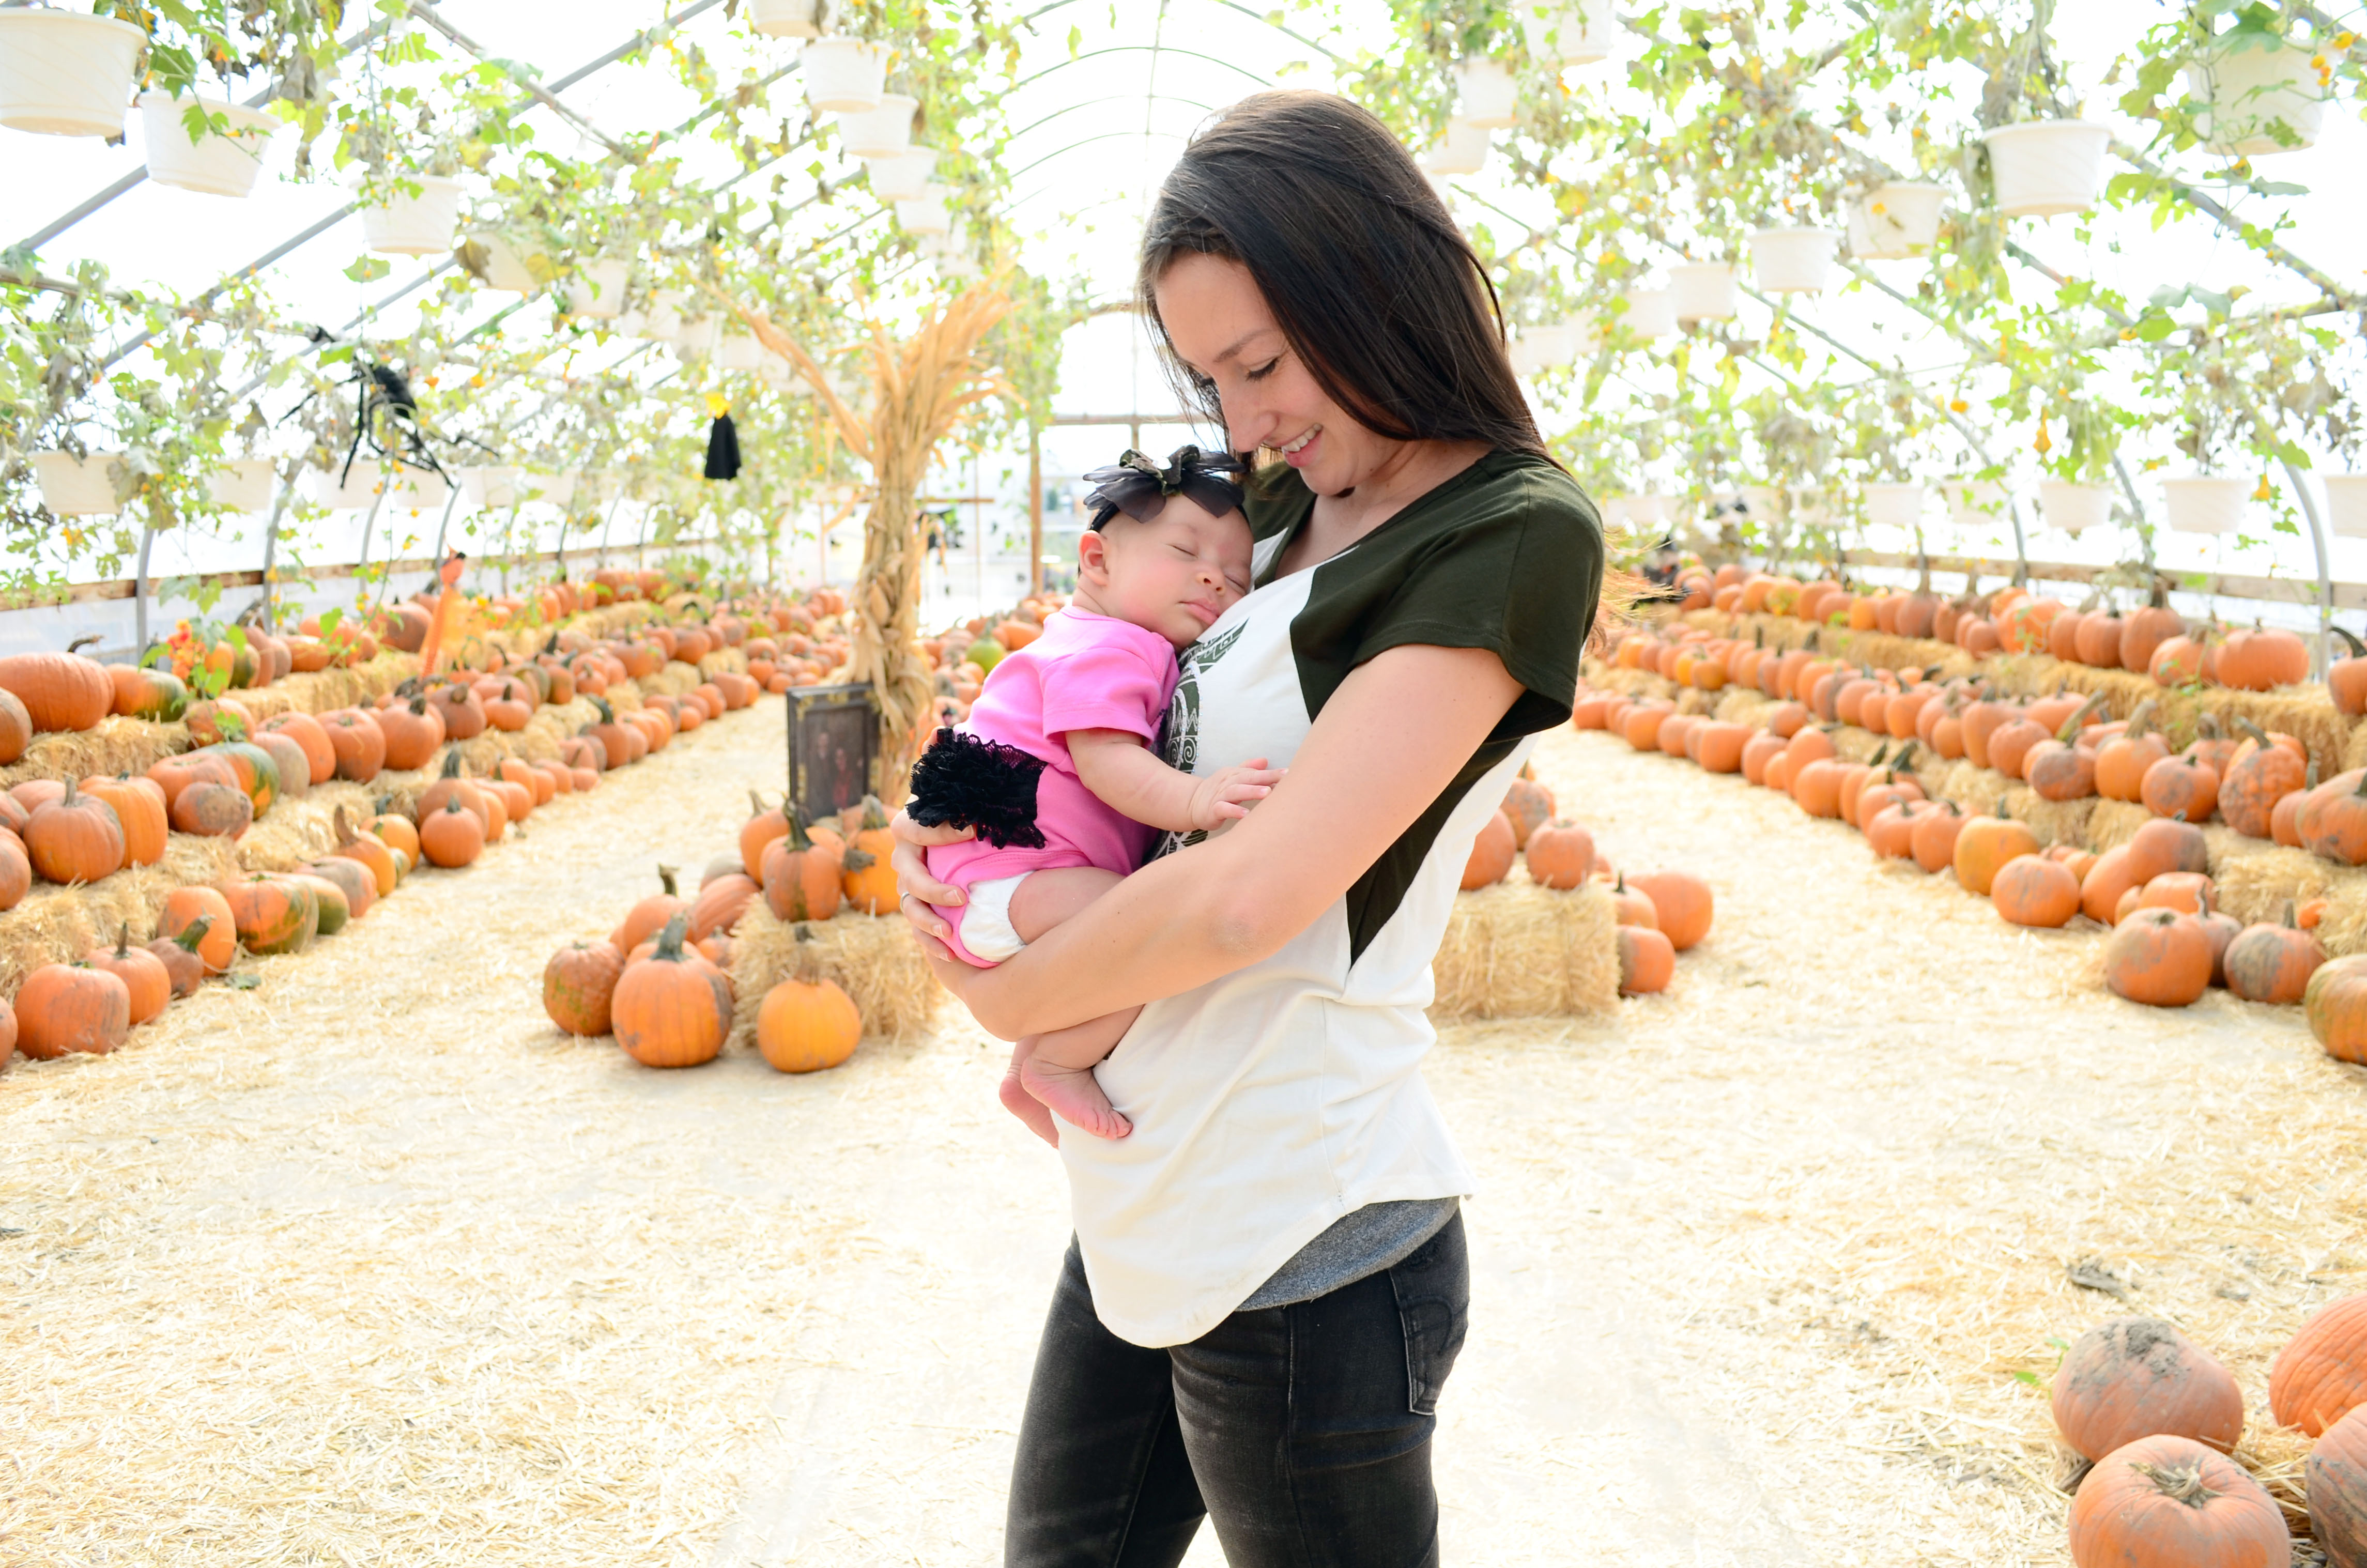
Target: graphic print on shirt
(1180, 746)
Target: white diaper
(986, 927)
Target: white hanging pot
(2254, 92)
(66, 75)
(1894, 505)
(785, 18)
(2346, 504)
(2073, 508)
(1702, 291)
(77, 487)
(418, 490)
(490, 486)
(359, 489)
(905, 177)
(414, 225)
(557, 489)
(1651, 313)
(244, 484)
(926, 214)
(1484, 92)
(695, 338)
(2205, 504)
(882, 132)
(2047, 166)
(1900, 218)
(663, 321)
(1976, 503)
(597, 289)
(213, 164)
(1793, 260)
(844, 75)
(1461, 151)
(1580, 34)
(739, 351)
(505, 269)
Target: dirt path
(368, 1265)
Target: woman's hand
(917, 890)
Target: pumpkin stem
(194, 933)
(2142, 720)
(757, 802)
(2181, 1483)
(666, 875)
(2291, 923)
(452, 762)
(68, 798)
(607, 714)
(419, 705)
(2002, 814)
(2358, 649)
(2253, 730)
(1879, 752)
(79, 644)
(669, 947)
(875, 814)
(2078, 721)
(1905, 750)
(123, 943)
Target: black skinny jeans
(1303, 1431)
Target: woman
(1268, 1284)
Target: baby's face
(1174, 574)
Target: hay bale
(2255, 887)
(874, 959)
(1693, 700)
(1744, 705)
(55, 925)
(1886, 652)
(1629, 683)
(731, 659)
(118, 745)
(294, 832)
(2114, 823)
(1518, 951)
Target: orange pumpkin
(1528, 805)
(2158, 956)
(1934, 841)
(1560, 854)
(2321, 1374)
(764, 826)
(2121, 762)
(1986, 844)
(62, 1008)
(672, 1009)
(138, 807)
(2181, 787)
(2035, 892)
(1489, 862)
(2332, 819)
(2261, 659)
(2335, 1476)
(1681, 905)
(142, 973)
(74, 838)
(869, 879)
(60, 691)
(1647, 961)
(578, 984)
(2139, 1377)
(805, 1023)
(453, 836)
(2169, 1502)
(2272, 963)
(2336, 1005)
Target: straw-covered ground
(367, 1264)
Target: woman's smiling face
(1224, 332)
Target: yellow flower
(2264, 492)
(2045, 444)
(1957, 405)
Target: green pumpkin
(242, 664)
(161, 696)
(265, 767)
(986, 653)
(335, 909)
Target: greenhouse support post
(1034, 512)
(443, 523)
(2319, 653)
(265, 603)
(139, 594)
(370, 521)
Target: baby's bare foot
(1026, 1106)
(1074, 1096)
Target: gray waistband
(1364, 1242)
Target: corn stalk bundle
(922, 389)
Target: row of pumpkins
(78, 833)
(965, 655)
(2154, 640)
(2169, 945)
(1658, 914)
(2157, 1415)
(662, 981)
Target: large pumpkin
(578, 984)
(1984, 846)
(143, 693)
(138, 807)
(2139, 1377)
(2171, 1503)
(2158, 956)
(1560, 854)
(672, 1009)
(61, 691)
(320, 754)
(453, 836)
(1681, 905)
(2335, 1003)
(62, 1008)
(2321, 1374)
(412, 732)
(358, 742)
(2260, 659)
(2335, 1479)
(2272, 963)
(2035, 892)
(273, 915)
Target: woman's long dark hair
(1378, 292)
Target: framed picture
(834, 748)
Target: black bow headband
(1140, 487)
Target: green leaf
(369, 268)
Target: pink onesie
(1087, 672)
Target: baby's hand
(1228, 794)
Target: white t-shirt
(1268, 1103)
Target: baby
(1056, 768)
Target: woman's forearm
(1387, 744)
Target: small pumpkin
(1560, 854)
(578, 984)
(1647, 961)
(2261, 776)
(2158, 956)
(411, 733)
(2183, 787)
(2332, 819)
(187, 909)
(453, 836)
(2274, 963)
(331, 912)
(2168, 1502)
(720, 903)
(351, 878)
(74, 838)
(2321, 1374)
(868, 878)
(142, 973)
(2140, 1377)
(672, 1009)
(219, 810)
(64, 1008)
(2166, 844)
(15, 871)
(1934, 841)
(144, 692)
(2335, 1003)
(320, 754)
(807, 1023)
(2035, 892)
(15, 726)
(1491, 860)
(138, 807)
(273, 915)
(359, 741)
(2121, 761)
(1986, 844)
(1528, 806)
(648, 918)
(185, 965)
